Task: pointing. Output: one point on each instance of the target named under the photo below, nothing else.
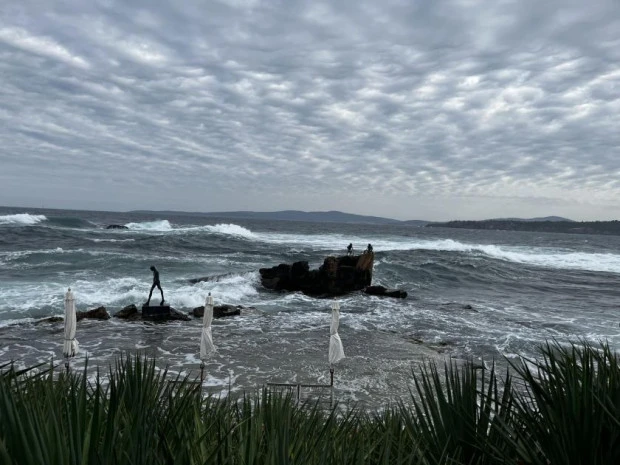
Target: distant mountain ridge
(331, 216)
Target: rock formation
(219, 311)
(116, 226)
(131, 313)
(99, 313)
(337, 276)
(384, 292)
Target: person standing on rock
(369, 249)
(350, 249)
(157, 284)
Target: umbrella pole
(331, 375)
(202, 373)
(67, 364)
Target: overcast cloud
(412, 109)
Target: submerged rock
(220, 311)
(131, 313)
(384, 292)
(49, 319)
(99, 313)
(127, 312)
(337, 276)
(116, 226)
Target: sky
(412, 109)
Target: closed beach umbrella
(70, 346)
(336, 351)
(206, 339)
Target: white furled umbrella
(70, 346)
(206, 339)
(336, 351)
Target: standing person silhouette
(157, 284)
(350, 249)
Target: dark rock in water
(467, 307)
(131, 313)
(176, 315)
(383, 292)
(210, 278)
(337, 276)
(99, 313)
(127, 312)
(155, 312)
(219, 311)
(116, 226)
(51, 319)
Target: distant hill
(415, 223)
(288, 215)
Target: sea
(487, 296)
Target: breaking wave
(24, 219)
(155, 226)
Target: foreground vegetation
(563, 408)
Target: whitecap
(158, 226)
(25, 219)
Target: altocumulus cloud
(408, 109)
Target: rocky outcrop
(131, 313)
(116, 226)
(220, 311)
(99, 313)
(384, 292)
(337, 276)
(127, 312)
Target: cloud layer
(407, 109)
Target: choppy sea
(486, 295)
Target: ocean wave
(24, 219)
(537, 256)
(70, 222)
(231, 229)
(156, 226)
(228, 229)
(112, 240)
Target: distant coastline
(548, 224)
(293, 215)
(568, 227)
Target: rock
(127, 312)
(176, 315)
(51, 319)
(99, 313)
(116, 226)
(383, 292)
(337, 276)
(131, 313)
(219, 311)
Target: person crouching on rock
(157, 284)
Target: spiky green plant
(461, 417)
(569, 409)
(562, 409)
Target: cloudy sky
(409, 109)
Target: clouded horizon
(404, 109)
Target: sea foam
(22, 219)
(158, 225)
